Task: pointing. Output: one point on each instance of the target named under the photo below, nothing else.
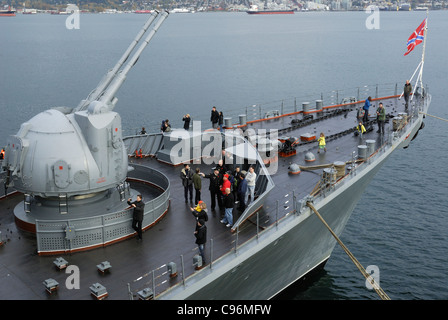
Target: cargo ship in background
(143, 11)
(10, 12)
(268, 10)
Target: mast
(419, 80)
(423, 51)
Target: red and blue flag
(416, 37)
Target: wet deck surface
(22, 271)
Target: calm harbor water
(234, 60)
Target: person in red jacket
(225, 184)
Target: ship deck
(136, 263)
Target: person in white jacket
(250, 178)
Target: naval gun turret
(75, 155)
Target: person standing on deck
(186, 119)
(250, 178)
(201, 237)
(236, 175)
(406, 92)
(197, 183)
(242, 191)
(366, 107)
(221, 121)
(381, 113)
(187, 181)
(229, 203)
(360, 129)
(225, 184)
(322, 143)
(166, 126)
(137, 216)
(222, 169)
(214, 118)
(200, 211)
(215, 182)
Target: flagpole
(420, 75)
(424, 49)
(412, 42)
(422, 62)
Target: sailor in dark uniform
(215, 182)
(137, 217)
(201, 237)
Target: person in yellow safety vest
(322, 144)
(2, 154)
(361, 129)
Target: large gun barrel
(109, 95)
(102, 87)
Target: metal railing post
(294, 201)
(153, 285)
(183, 269)
(258, 227)
(276, 214)
(211, 253)
(130, 292)
(236, 240)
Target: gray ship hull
(287, 252)
(276, 260)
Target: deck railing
(103, 229)
(238, 115)
(290, 206)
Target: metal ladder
(63, 203)
(27, 203)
